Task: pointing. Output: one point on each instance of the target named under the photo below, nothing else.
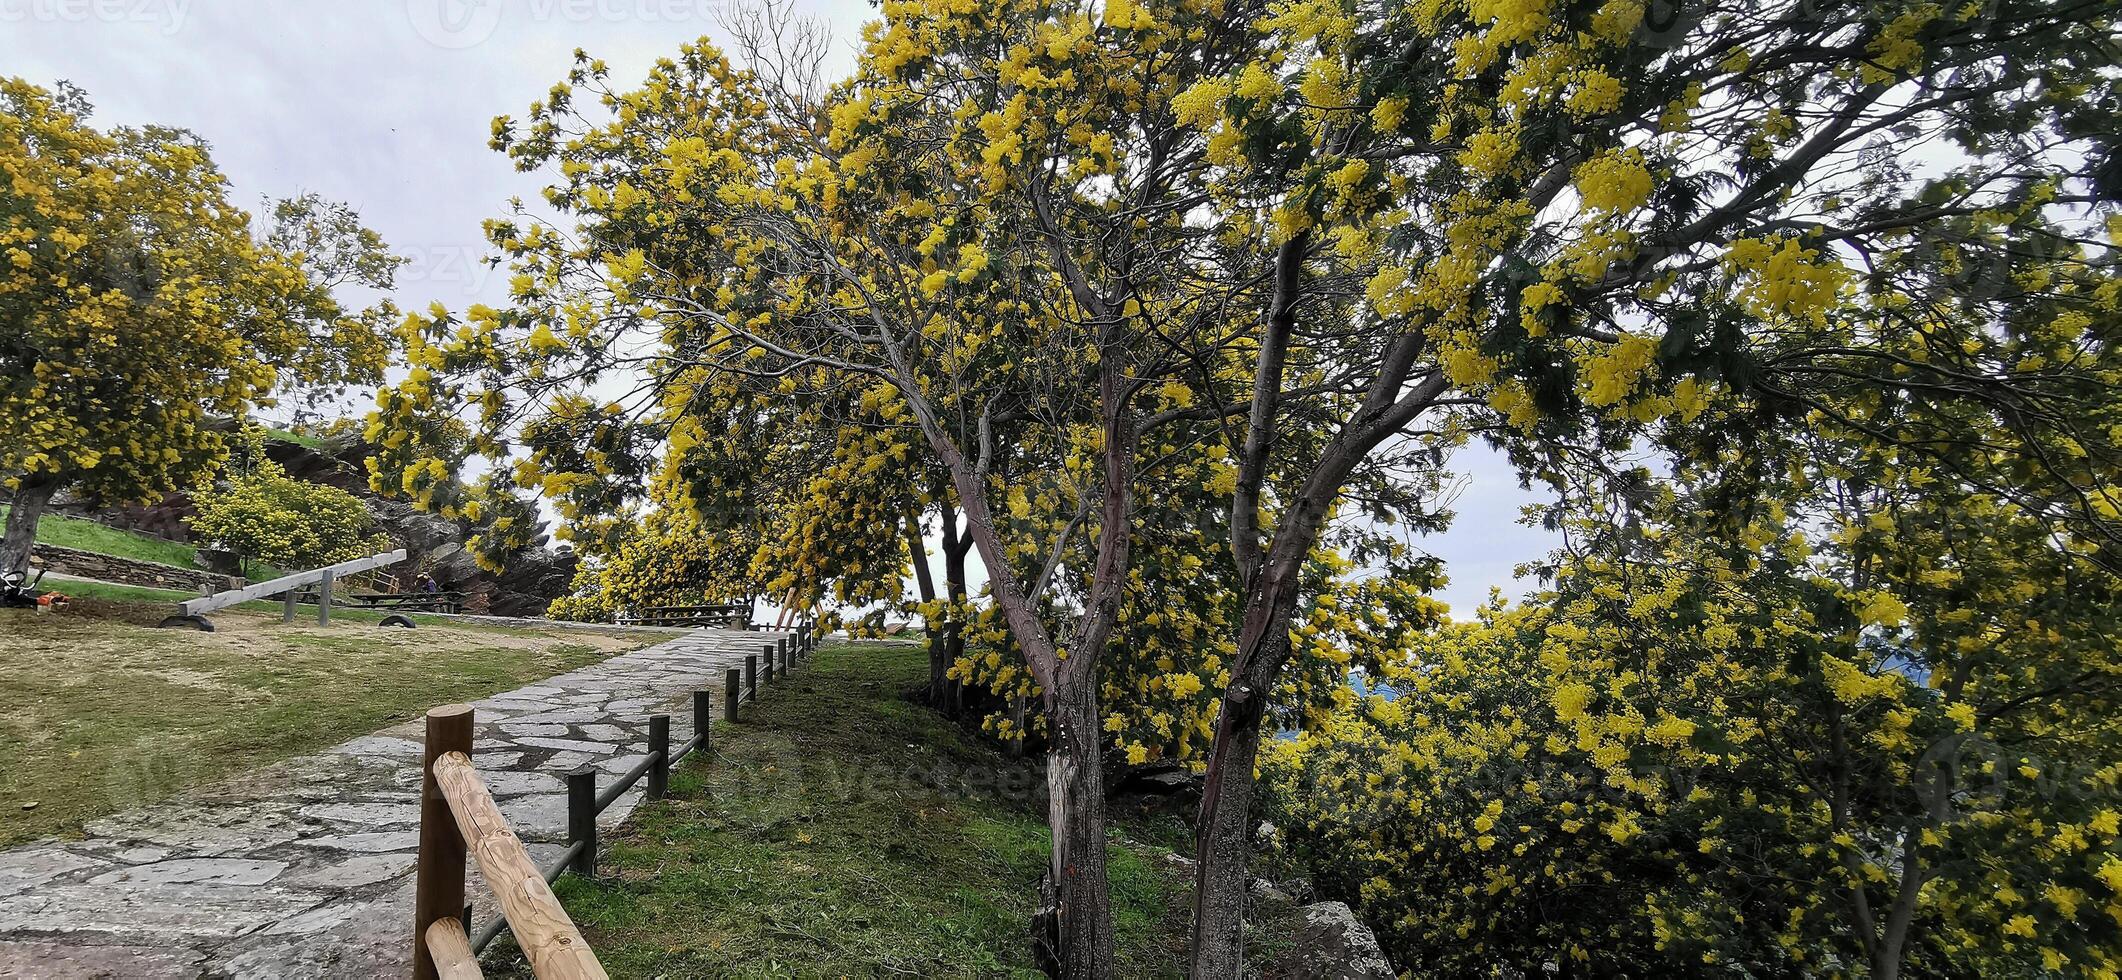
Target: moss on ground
(840, 830)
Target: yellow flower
(1614, 181)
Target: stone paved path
(304, 868)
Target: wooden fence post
(287, 609)
(769, 653)
(703, 716)
(730, 695)
(548, 937)
(582, 818)
(438, 887)
(324, 599)
(751, 677)
(658, 756)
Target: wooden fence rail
(458, 818)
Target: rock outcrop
(1331, 944)
(434, 544)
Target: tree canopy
(1181, 307)
(141, 312)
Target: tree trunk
(1222, 833)
(1077, 900)
(954, 585)
(1073, 931)
(938, 659)
(1223, 839)
(21, 535)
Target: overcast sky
(386, 105)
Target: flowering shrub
(1884, 751)
(266, 515)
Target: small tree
(266, 515)
(1597, 214)
(139, 308)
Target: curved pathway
(304, 868)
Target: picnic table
(446, 602)
(729, 615)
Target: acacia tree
(139, 312)
(1868, 729)
(986, 235)
(1582, 217)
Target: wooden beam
(285, 583)
(452, 952)
(550, 941)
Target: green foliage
(266, 515)
(1870, 732)
(138, 304)
(665, 559)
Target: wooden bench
(732, 615)
(446, 602)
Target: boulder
(1331, 944)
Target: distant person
(427, 583)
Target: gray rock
(142, 910)
(199, 830)
(1264, 889)
(27, 868)
(569, 745)
(365, 813)
(140, 855)
(33, 960)
(369, 843)
(197, 871)
(356, 872)
(1331, 944)
(510, 783)
(536, 816)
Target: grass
(842, 831)
(298, 438)
(82, 535)
(105, 712)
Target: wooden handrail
(458, 814)
(550, 941)
(452, 951)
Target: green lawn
(105, 712)
(299, 439)
(843, 831)
(81, 535)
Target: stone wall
(126, 571)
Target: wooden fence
(458, 817)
